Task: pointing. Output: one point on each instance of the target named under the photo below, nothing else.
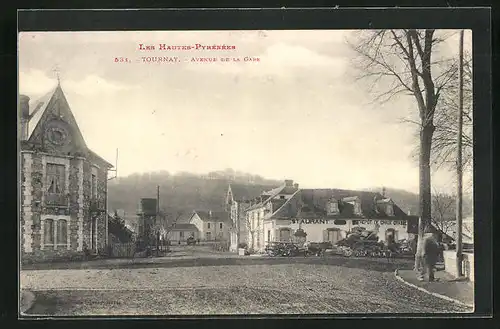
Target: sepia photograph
(240, 172)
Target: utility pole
(157, 237)
(459, 154)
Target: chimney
(210, 213)
(296, 186)
(409, 212)
(288, 182)
(24, 109)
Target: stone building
(63, 184)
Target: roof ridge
(286, 202)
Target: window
(333, 207)
(93, 191)
(181, 234)
(282, 197)
(339, 222)
(268, 235)
(48, 232)
(56, 178)
(389, 210)
(208, 225)
(62, 233)
(220, 226)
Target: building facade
(325, 215)
(63, 184)
(238, 199)
(211, 225)
(181, 232)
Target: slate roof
(248, 192)
(217, 216)
(312, 203)
(37, 108)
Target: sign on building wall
(382, 222)
(354, 221)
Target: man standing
(430, 252)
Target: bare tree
(402, 62)
(444, 145)
(443, 212)
(253, 227)
(168, 222)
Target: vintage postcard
(244, 172)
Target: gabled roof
(214, 216)
(243, 192)
(45, 104)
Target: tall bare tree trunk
(459, 254)
(424, 189)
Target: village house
(63, 184)
(239, 197)
(211, 225)
(180, 232)
(325, 215)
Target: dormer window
(356, 203)
(333, 207)
(389, 210)
(387, 206)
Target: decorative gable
(55, 129)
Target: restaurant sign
(382, 222)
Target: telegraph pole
(157, 237)
(459, 155)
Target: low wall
(450, 264)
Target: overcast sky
(297, 113)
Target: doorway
(391, 235)
(333, 235)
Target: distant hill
(179, 192)
(184, 192)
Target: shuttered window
(48, 232)
(56, 176)
(62, 233)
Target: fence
(123, 250)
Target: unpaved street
(301, 286)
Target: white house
(239, 198)
(326, 215)
(180, 232)
(211, 225)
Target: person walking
(430, 249)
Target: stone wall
(450, 264)
(33, 207)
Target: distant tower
(383, 191)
